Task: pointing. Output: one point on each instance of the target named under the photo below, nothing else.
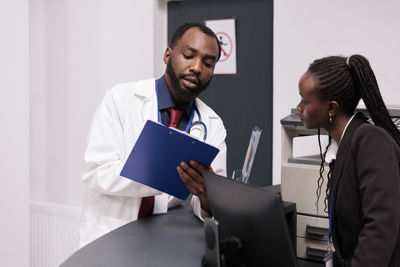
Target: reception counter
(172, 239)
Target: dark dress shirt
(165, 101)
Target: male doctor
(112, 200)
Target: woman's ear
(333, 108)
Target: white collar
(345, 128)
(333, 148)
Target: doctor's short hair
(183, 28)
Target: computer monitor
(255, 216)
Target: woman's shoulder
(371, 129)
(369, 134)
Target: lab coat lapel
(148, 97)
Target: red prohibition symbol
(226, 45)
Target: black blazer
(366, 197)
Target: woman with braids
(364, 184)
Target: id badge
(329, 259)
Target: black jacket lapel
(341, 157)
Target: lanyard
(190, 123)
(330, 221)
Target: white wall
(309, 29)
(79, 49)
(14, 133)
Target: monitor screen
(255, 216)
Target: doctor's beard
(186, 94)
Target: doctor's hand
(194, 181)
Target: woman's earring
(330, 118)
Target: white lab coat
(112, 200)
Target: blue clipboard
(157, 153)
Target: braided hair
(320, 180)
(346, 81)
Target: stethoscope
(191, 123)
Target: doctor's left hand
(194, 181)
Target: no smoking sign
(226, 34)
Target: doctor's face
(190, 65)
(313, 109)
